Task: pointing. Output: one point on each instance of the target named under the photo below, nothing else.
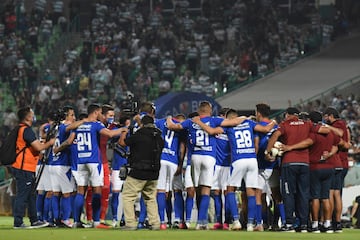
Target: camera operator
(145, 149)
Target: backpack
(8, 148)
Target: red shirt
(323, 142)
(343, 153)
(294, 131)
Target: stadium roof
(302, 80)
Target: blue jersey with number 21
(202, 142)
(87, 138)
(241, 139)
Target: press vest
(27, 160)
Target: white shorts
(221, 178)
(89, 173)
(45, 180)
(166, 175)
(188, 182)
(116, 182)
(247, 169)
(263, 178)
(61, 179)
(274, 180)
(178, 182)
(202, 170)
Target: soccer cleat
(38, 224)
(287, 228)
(259, 228)
(315, 230)
(114, 223)
(78, 225)
(122, 223)
(226, 226)
(102, 226)
(176, 225)
(338, 228)
(66, 223)
(163, 226)
(187, 225)
(141, 226)
(201, 227)
(236, 226)
(250, 227)
(22, 226)
(182, 226)
(217, 226)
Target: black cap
(315, 116)
(292, 111)
(147, 119)
(331, 111)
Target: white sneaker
(188, 225)
(236, 226)
(114, 223)
(250, 227)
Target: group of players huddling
(223, 154)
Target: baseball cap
(292, 111)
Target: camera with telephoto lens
(124, 170)
(130, 106)
(59, 115)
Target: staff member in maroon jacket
(331, 116)
(323, 159)
(295, 172)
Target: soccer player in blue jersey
(44, 196)
(244, 163)
(265, 167)
(89, 167)
(169, 164)
(118, 161)
(221, 176)
(203, 155)
(62, 180)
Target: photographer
(145, 150)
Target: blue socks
(233, 205)
(40, 205)
(115, 204)
(203, 209)
(96, 204)
(142, 215)
(47, 214)
(65, 207)
(189, 206)
(55, 203)
(178, 206)
(161, 201)
(281, 208)
(78, 206)
(251, 209)
(218, 208)
(258, 213)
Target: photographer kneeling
(145, 145)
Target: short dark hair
(23, 112)
(292, 111)
(263, 109)
(106, 107)
(331, 111)
(193, 114)
(147, 119)
(231, 112)
(93, 107)
(315, 116)
(67, 108)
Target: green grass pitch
(7, 233)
